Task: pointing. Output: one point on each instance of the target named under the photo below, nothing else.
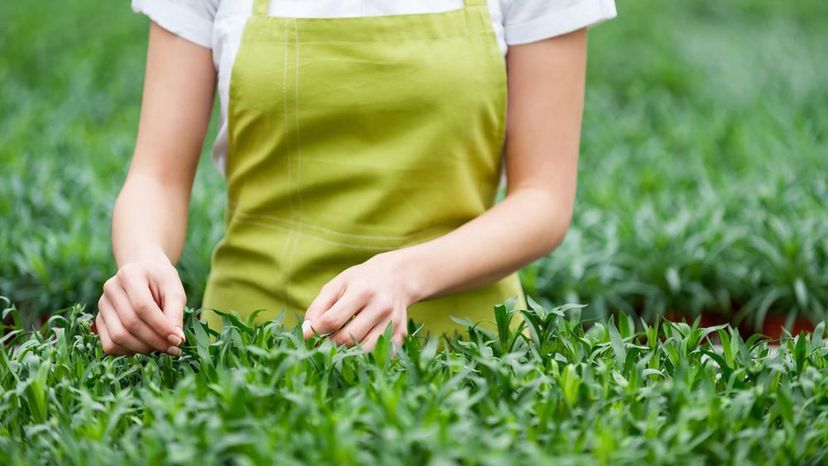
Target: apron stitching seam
(326, 230)
(297, 191)
(285, 276)
(299, 233)
(296, 118)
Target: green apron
(352, 136)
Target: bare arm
(143, 302)
(546, 98)
(150, 214)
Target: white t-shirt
(218, 25)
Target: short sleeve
(531, 20)
(190, 19)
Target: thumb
(327, 296)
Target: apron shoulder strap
(476, 3)
(260, 7)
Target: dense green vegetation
(71, 98)
(262, 395)
(704, 155)
(702, 187)
(702, 183)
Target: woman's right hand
(142, 306)
(141, 309)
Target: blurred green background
(702, 179)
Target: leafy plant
(699, 188)
(259, 394)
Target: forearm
(149, 220)
(546, 97)
(526, 225)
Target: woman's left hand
(356, 305)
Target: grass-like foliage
(560, 391)
(701, 186)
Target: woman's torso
(231, 16)
(457, 105)
(218, 24)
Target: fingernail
(174, 339)
(174, 350)
(306, 326)
(181, 334)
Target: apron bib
(353, 136)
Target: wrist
(409, 266)
(153, 254)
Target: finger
(334, 318)
(116, 330)
(400, 331)
(173, 300)
(356, 330)
(328, 295)
(397, 339)
(142, 301)
(133, 324)
(370, 340)
(109, 347)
